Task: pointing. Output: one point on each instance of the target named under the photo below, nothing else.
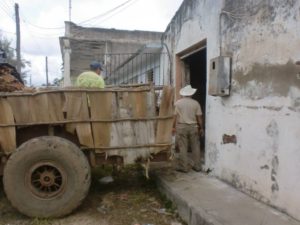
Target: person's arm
(200, 124)
(174, 124)
(99, 82)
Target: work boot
(196, 168)
(182, 170)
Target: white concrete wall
(263, 109)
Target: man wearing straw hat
(188, 127)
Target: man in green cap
(91, 78)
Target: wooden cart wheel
(47, 177)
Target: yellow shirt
(90, 79)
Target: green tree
(57, 82)
(5, 45)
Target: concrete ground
(204, 200)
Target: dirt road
(130, 199)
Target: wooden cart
(49, 139)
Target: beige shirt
(186, 110)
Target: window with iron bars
(133, 68)
(150, 76)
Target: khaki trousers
(188, 136)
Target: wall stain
(273, 79)
(272, 129)
(273, 132)
(213, 153)
(271, 108)
(237, 182)
(295, 103)
(275, 187)
(275, 165)
(265, 167)
(264, 12)
(227, 139)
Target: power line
(4, 15)
(5, 31)
(34, 40)
(6, 12)
(12, 2)
(7, 7)
(25, 20)
(39, 33)
(35, 35)
(116, 13)
(44, 28)
(105, 13)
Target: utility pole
(70, 9)
(18, 47)
(47, 81)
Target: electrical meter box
(219, 76)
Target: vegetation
(6, 46)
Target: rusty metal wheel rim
(46, 180)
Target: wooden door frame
(180, 76)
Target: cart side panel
(101, 109)
(77, 109)
(56, 103)
(38, 108)
(7, 134)
(164, 127)
(143, 107)
(21, 111)
(116, 122)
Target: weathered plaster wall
(126, 36)
(252, 136)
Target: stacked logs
(10, 80)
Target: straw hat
(187, 91)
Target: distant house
(120, 51)
(243, 57)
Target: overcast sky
(42, 22)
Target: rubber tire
(59, 151)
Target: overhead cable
(105, 13)
(117, 12)
(6, 11)
(44, 28)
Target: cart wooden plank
(21, 111)
(77, 108)
(164, 127)
(101, 108)
(7, 134)
(55, 106)
(38, 108)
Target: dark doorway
(196, 64)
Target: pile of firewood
(9, 81)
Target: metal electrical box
(219, 76)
